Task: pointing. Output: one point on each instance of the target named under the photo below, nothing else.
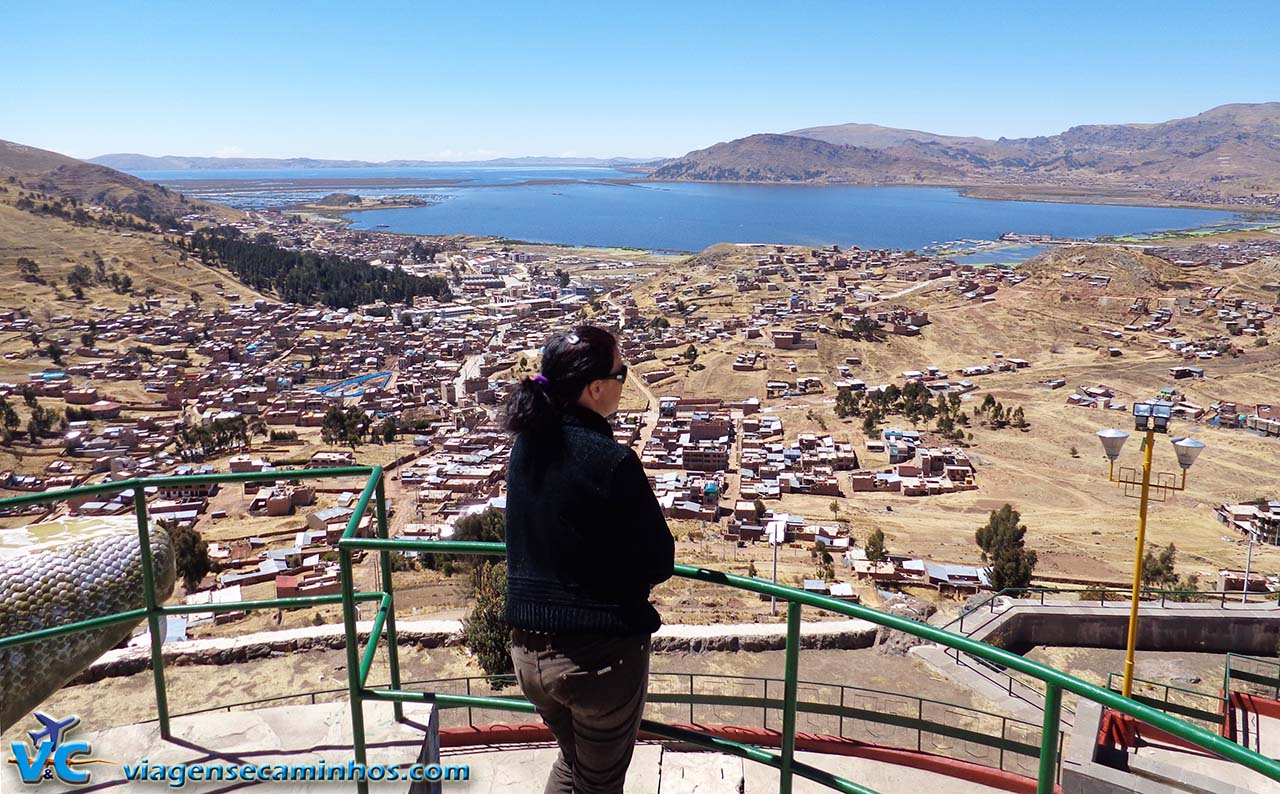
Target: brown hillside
(788, 158)
(58, 215)
(66, 177)
(1231, 149)
(1130, 270)
(57, 246)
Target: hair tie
(540, 378)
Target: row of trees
(345, 426)
(41, 423)
(305, 277)
(917, 404)
(79, 278)
(138, 217)
(350, 426)
(914, 402)
(998, 417)
(198, 442)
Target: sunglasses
(620, 376)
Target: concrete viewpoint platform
(1192, 627)
(306, 734)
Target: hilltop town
(781, 395)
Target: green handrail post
(131, 616)
(154, 613)
(353, 660)
(354, 689)
(790, 690)
(1049, 739)
(393, 648)
(375, 633)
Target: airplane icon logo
(53, 729)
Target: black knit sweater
(586, 538)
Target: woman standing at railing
(586, 541)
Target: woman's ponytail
(570, 361)
(529, 408)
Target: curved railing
(889, 719)
(359, 662)
(1055, 681)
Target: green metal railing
(1055, 681)
(360, 662)
(848, 712)
(1190, 704)
(155, 613)
(1260, 676)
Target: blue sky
(451, 80)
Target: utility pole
(773, 599)
(1248, 564)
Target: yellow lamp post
(1150, 418)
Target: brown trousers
(590, 691)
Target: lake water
(1005, 255)
(587, 210)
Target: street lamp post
(1150, 418)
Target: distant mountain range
(142, 162)
(1232, 149)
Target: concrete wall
(1179, 627)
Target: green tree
(871, 423)
(55, 353)
(1158, 569)
(28, 270)
(191, 555)
(875, 546)
(760, 509)
(390, 428)
(998, 418)
(487, 527)
(346, 426)
(865, 328)
(844, 404)
(1003, 543)
(9, 417)
(80, 276)
(691, 354)
(1012, 568)
(826, 569)
(485, 632)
